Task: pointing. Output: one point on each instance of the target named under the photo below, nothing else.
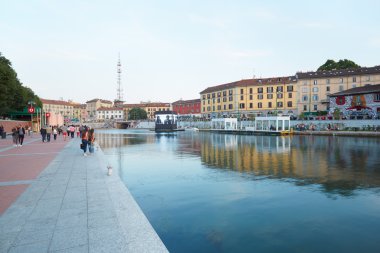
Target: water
(207, 192)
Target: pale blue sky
(175, 49)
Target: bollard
(109, 170)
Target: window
(315, 89)
(213, 95)
(250, 90)
(260, 96)
(305, 107)
(269, 96)
(290, 95)
(368, 78)
(208, 96)
(305, 98)
(224, 107)
(341, 80)
(305, 89)
(260, 105)
(219, 107)
(241, 105)
(354, 79)
(290, 104)
(327, 81)
(315, 107)
(354, 86)
(241, 91)
(376, 97)
(230, 98)
(204, 96)
(241, 97)
(315, 97)
(315, 82)
(280, 95)
(230, 106)
(280, 104)
(289, 88)
(230, 92)
(260, 90)
(250, 97)
(250, 105)
(219, 94)
(224, 93)
(224, 99)
(269, 89)
(280, 89)
(269, 104)
(218, 100)
(327, 88)
(340, 87)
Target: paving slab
(68, 203)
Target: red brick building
(187, 107)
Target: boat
(166, 121)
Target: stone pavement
(71, 206)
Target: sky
(173, 50)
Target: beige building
(251, 97)
(110, 113)
(93, 105)
(314, 87)
(149, 107)
(57, 112)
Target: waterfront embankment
(54, 199)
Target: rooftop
(359, 90)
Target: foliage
(137, 114)
(341, 64)
(13, 95)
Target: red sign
(31, 109)
(47, 114)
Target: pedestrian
(84, 141)
(21, 134)
(91, 140)
(43, 133)
(64, 131)
(77, 131)
(55, 132)
(15, 136)
(72, 131)
(48, 133)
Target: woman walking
(91, 140)
(85, 141)
(21, 134)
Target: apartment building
(110, 113)
(57, 112)
(315, 87)
(93, 105)
(251, 97)
(187, 107)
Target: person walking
(85, 141)
(64, 132)
(21, 135)
(15, 136)
(55, 132)
(43, 133)
(48, 133)
(91, 140)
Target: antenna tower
(119, 88)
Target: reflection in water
(340, 165)
(206, 192)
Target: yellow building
(57, 112)
(149, 107)
(95, 104)
(314, 87)
(251, 97)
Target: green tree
(13, 95)
(137, 114)
(341, 64)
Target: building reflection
(339, 165)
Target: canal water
(205, 192)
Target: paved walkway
(57, 200)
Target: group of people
(18, 135)
(88, 140)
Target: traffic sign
(31, 109)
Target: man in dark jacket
(43, 133)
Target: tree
(137, 114)
(341, 64)
(13, 95)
